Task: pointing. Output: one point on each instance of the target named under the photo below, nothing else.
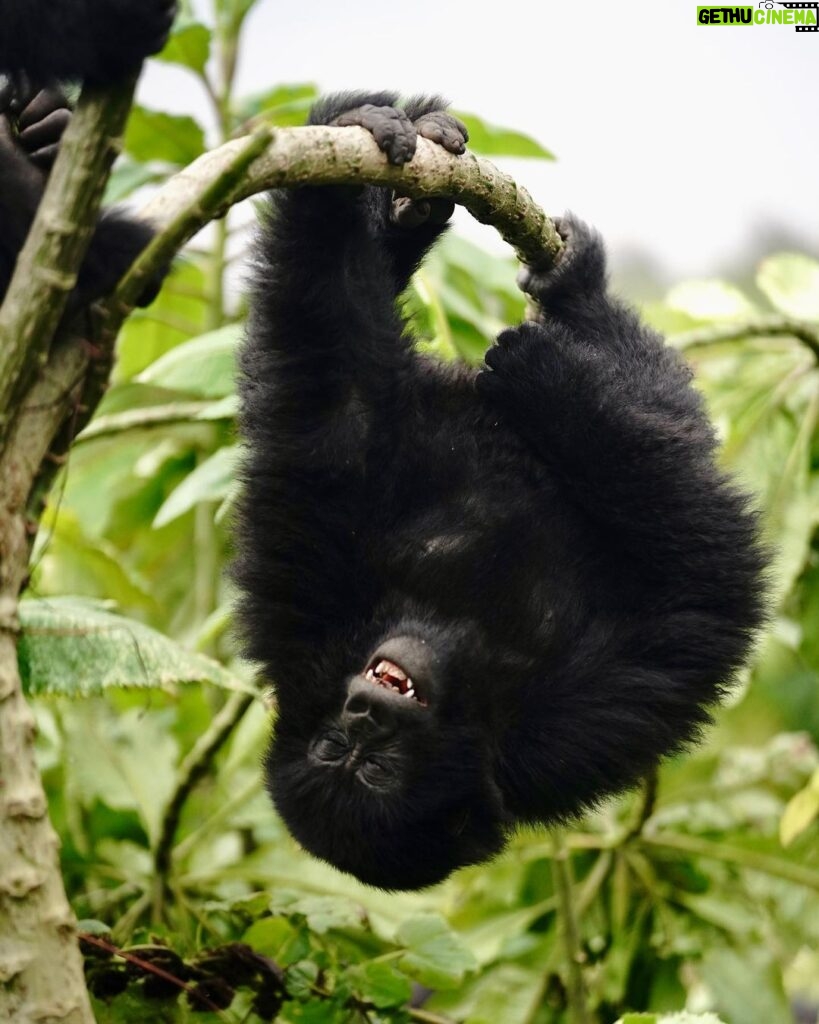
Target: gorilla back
(485, 597)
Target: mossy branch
(320, 155)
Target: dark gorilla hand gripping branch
(484, 597)
(98, 41)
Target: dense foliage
(701, 891)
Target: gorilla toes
(391, 128)
(412, 213)
(581, 265)
(444, 129)
(521, 362)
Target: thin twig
(757, 327)
(192, 769)
(561, 870)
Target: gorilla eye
(332, 747)
(376, 771)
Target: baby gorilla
(484, 597)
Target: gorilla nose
(369, 710)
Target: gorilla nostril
(358, 704)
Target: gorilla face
(396, 781)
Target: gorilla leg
(612, 409)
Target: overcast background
(694, 149)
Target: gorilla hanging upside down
(484, 597)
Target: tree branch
(48, 263)
(757, 327)
(320, 155)
(40, 963)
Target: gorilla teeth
(392, 677)
(389, 668)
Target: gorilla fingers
(30, 133)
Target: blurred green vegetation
(701, 892)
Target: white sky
(680, 141)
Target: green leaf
(285, 106)
(746, 986)
(205, 365)
(127, 177)
(76, 648)
(710, 300)
(171, 138)
(670, 1018)
(189, 46)
(490, 140)
(180, 312)
(322, 913)
(301, 979)
(212, 480)
(381, 984)
(791, 281)
(435, 955)
(801, 812)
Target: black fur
(98, 40)
(546, 546)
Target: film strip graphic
(803, 7)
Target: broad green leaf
(301, 978)
(124, 759)
(285, 106)
(68, 560)
(791, 281)
(189, 45)
(234, 8)
(212, 480)
(277, 938)
(179, 313)
(381, 984)
(491, 140)
(746, 986)
(710, 300)
(321, 912)
(801, 812)
(205, 365)
(170, 138)
(434, 955)
(76, 648)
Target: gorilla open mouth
(390, 675)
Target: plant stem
(191, 770)
(562, 873)
(736, 855)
